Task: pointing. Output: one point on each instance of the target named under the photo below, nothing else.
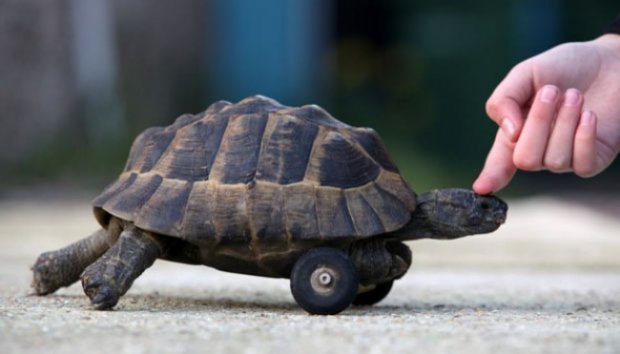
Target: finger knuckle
(520, 67)
(526, 162)
(542, 116)
(557, 163)
(491, 107)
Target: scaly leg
(378, 261)
(55, 269)
(109, 278)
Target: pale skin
(557, 111)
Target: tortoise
(264, 189)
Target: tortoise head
(452, 213)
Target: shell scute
(148, 148)
(374, 146)
(127, 203)
(301, 214)
(230, 215)
(339, 162)
(198, 223)
(333, 214)
(266, 215)
(286, 150)
(165, 209)
(237, 157)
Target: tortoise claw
(105, 299)
(102, 296)
(45, 274)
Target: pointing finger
(498, 168)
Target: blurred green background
(79, 79)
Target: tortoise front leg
(55, 269)
(109, 278)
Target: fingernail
(572, 97)
(587, 118)
(509, 128)
(549, 94)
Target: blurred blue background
(81, 78)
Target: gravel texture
(548, 281)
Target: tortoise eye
(484, 205)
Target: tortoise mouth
(494, 208)
(499, 214)
(501, 218)
(502, 211)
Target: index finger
(498, 168)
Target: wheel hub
(322, 280)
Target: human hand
(570, 95)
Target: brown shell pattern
(258, 170)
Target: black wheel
(324, 281)
(375, 295)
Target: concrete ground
(547, 282)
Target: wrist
(609, 42)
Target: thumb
(509, 100)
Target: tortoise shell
(258, 170)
